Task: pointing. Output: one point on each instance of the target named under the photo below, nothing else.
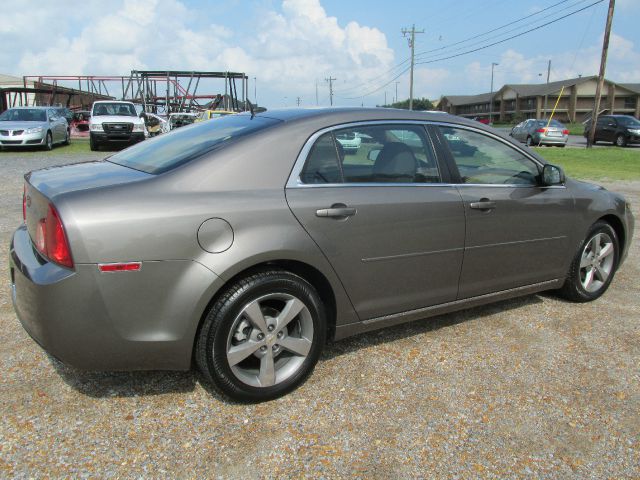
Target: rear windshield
(553, 123)
(171, 150)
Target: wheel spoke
(595, 245)
(585, 261)
(238, 353)
(267, 376)
(292, 308)
(253, 313)
(588, 279)
(600, 273)
(299, 346)
(605, 251)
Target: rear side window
(182, 145)
(372, 154)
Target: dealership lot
(529, 387)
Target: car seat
(395, 164)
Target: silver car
(541, 132)
(242, 245)
(33, 126)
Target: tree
(418, 104)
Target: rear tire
(93, 145)
(263, 336)
(594, 265)
(67, 139)
(529, 142)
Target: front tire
(262, 338)
(48, 143)
(594, 265)
(67, 138)
(93, 145)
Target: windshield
(23, 115)
(121, 109)
(628, 121)
(171, 150)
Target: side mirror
(373, 154)
(552, 175)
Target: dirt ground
(529, 388)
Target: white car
(350, 142)
(115, 123)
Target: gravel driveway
(527, 388)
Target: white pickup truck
(115, 123)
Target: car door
(517, 231)
(523, 131)
(606, 128)
(390, 227)
(55, 123)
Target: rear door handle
(336, 211)
(483, 204)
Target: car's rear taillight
(565, 132)
(51, 240)
(541, 130)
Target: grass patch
(595, 163)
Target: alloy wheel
(597, 261)
(270, 340)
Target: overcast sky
(289, 46)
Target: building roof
(10, 80)
(468, 99)
(538, 89)
(634, 87)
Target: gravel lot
(528, 388)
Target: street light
(493, 64)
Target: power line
(379, 88)
(511, 37)
(446, 47)
(373, 80)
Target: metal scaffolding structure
(159, 91)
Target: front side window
(484, 160)
(372, 154)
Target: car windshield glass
(169, 151)
(629, 122)
(23, 115)
(123, 109)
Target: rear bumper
(90, 320)
(547, 140)
(119, 138)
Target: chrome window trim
(294, 177)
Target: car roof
(31, 108)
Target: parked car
(115, 123)
(621, 130)
(541, 132)
(31, 126)
(64, 112)
(210, 114)
(155, 124)
(350, 141)
(80, 122)
(245, 243)
(177, 120)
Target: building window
(630, 102)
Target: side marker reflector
(120, 267)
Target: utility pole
(603, 66)
(493, 64)
(396, 101)
(385, 98)
(330, 80)
(547, 92)
(317, 93)
(255, 90)
(412, 45)
(298, 101)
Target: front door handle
(483, 204)
(338, 210)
